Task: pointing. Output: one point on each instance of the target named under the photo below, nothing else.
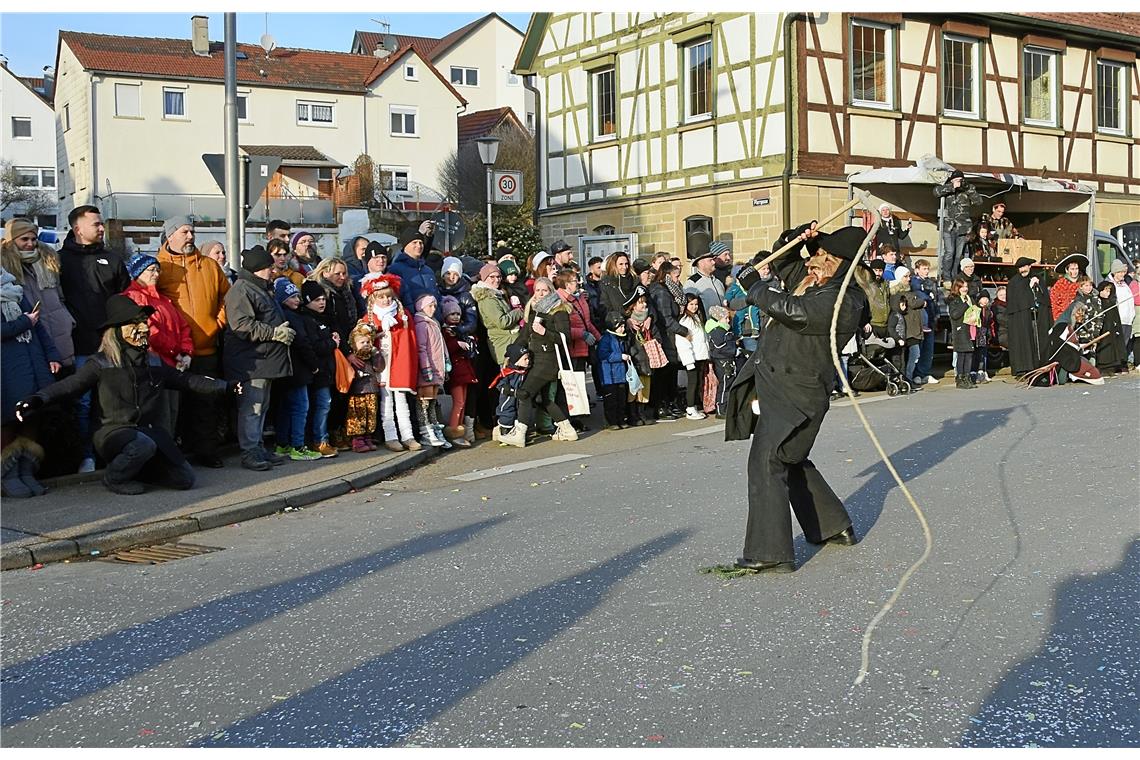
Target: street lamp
(488, 152)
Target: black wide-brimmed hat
(1080, 258)
(844, 244)
(637, 293)
(1024, 261)
(123, 311)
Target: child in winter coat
(396, 343)
(693, 352)
(640, 328)
(612, 357)
(963, 333)
(363, 404)
(509, 380)
(325, 342)
(514, 288)
(433, 370)
(981, 340)
(461, 350)
(293, 407)
(722, 354)
(896, 329)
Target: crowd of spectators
(403, 347)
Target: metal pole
(235, 214)
(490, 248)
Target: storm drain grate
(153, 555)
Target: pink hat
(487, 271)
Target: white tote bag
(574, 385)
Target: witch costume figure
(782, 395)
(129, 381)
(1029, 312)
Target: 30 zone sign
(508, 187)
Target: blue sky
(29, 39)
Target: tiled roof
(480, 123)
(293, 68)
(35, 84)
(423, 45)
(284, 67)
(290, 153)
(1120, 23)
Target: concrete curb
(145, 534)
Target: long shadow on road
(1080, 688)
(866, 503)
(56, 678)
(385, 699)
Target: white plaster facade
(490, 49)
(28, 126)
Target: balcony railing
(212, 208)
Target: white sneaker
(517, 436)
(692, 413)
(932, 379)
(983, 377)
(565, 432)
(87, 465)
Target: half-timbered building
(739, 124)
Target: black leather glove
(27, 407)
(788, 236)
(747, 277)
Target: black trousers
(694, 385)
(535, 392)
(614, 398)
(779, 474)
(663, 389)
(147, 454)
(198, 413)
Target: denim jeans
(291, 415)
(320, 401)
(912, 354)
(925, 356)
(953, 245)
(253, 403)
(83, 412)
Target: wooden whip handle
(777, 254)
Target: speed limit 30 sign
(507, 187)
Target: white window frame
(595, 103)
(240, 97)
(128, 87)
(1122, 99)
(466, 70)
(686, 51)
(185, 115)
(393, 172)
(976, 71)
(28, 120)
(27, 171)
(47, 172)
(308, 111)
(889, 56)
(412, 111)
(1054, 57)
(411, 72)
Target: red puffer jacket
(169, 330)
(580, 323)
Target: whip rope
(863, 667)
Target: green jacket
(879, 299)
(502, 322)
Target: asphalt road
(562, 606)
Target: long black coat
(1029, 316)
(960, 339)
(668, 314)
(614, 292)
(791, 373)
(249, 350)
(1110, 351)
(543, 359)
(129, 396)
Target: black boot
(28, 466)
(10, 482)
(635, 414)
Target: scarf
(45, 277)
(386, 315)
(10, 296)
(675, 290)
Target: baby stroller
(876, 371)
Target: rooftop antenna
(268, 44)
(389, 42)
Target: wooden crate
(1012, 249)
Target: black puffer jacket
(958, 205)
(89, 275)
(668, 312)
(251, 315)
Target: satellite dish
(390, 43)
(268, 44)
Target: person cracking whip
(782, 395)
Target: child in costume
(396, 341)
(363, 406)
(433, 370)
(461, 350)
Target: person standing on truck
(1000, 225)
(960, 196)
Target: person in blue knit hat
(293, 390)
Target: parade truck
(1055, 217)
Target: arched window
(605, 229)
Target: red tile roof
(1120, 23)
(293, 68)
(480, 123)
(429, 47)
